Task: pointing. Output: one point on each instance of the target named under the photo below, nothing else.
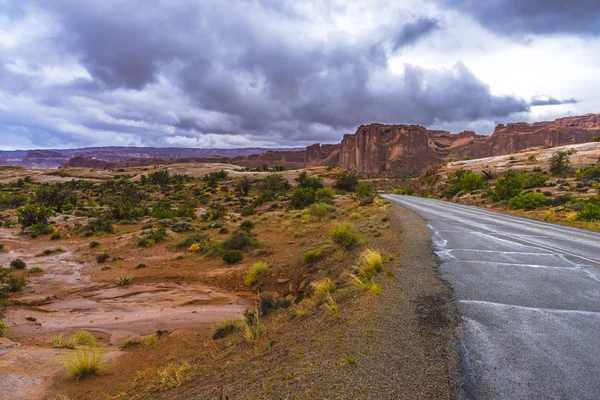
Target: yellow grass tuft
(255, 272)
(84, 362)
(324, 286)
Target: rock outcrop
(379, 149)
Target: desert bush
(94, 244)
(247, 211)
(84, 362)
(102, 257)
(590, 212)
(559, 162)
(215, 211)
(465, 181)
(240, 240)
(255, 272)
(325, 195)
(589, 173)
(535, 179)
(149, 340)
(34, 269)
(233, 256)
(272, 187)
(183, 227)
(55, 196)
(103, 224)
(306, 181)
(314, 255)
(320, 210)
(193, 239)
(345, 236)
(34, 214)
(347, 182)
(508, 186)
(3, 329)
(151, 236)
(124, 280)
(528, 201)
(225, 328)
(17, 263)
(303, 197)
(247, 225)
(2, 247)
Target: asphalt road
(529, 296)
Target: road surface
(529, 296)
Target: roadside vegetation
(302, 243)
(554, 192)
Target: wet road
(529, 296)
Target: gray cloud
(550, 101)
(512, 17)
(413, 31)
(186, 72)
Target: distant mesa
(375, 149)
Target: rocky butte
(395, 150)
(378, 149)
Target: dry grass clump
(84, 362)
(169, 377)
(35, 269)
(149, 339)
(370, 264)
(332, 307)
(253, 328)
(123, 280)
(255, 272)
(83, 338)
(314, 255)
(324, 286)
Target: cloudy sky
(274, 73)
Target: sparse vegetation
(233, 256)
(345, 236)
(255, 272)
(84, 362)
(124, 280)
(102, 257)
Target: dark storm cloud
(551, 101)
(164, 71)
(414, 31)
(513, 17)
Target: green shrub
(508, 186)
(3, 329)
(190, 240)
(240, 240)
(595, 139)
(534, 180)
(151, 236)
(303, 197)
(528, 201)
(103, 224)
(233, 256)
(325, 195)
(183, 227)
(590, 212)
(247, 211)
(18, 264)
(321, 210)
(589, 173)
(559, 162)
(272, 187)
(465, 181)
(2, 246)
(307, 182)
(345, 236)
(94, 244)
(102, 257)
(314, 255)
(34, 214)
(247, 225)
(255, 272)
(347, 182)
